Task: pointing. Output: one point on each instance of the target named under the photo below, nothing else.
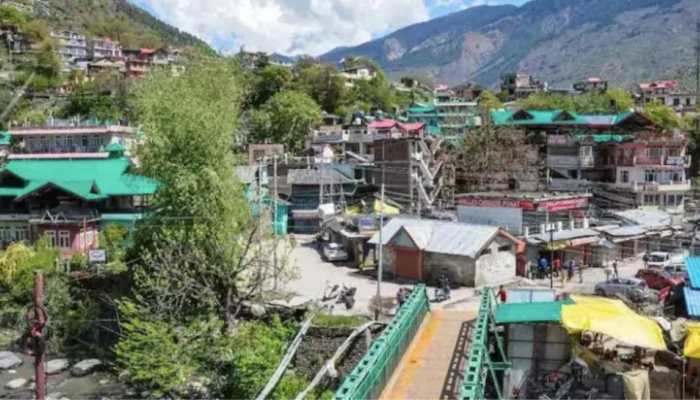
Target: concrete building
(668, 93)
(105, 48)
(470, 255)
(70, 45)
(519, 85)
(591, 84)
(450, 117)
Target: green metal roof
(5, 138)
(90, 179)
(605, 137)
(536, 117)
(512, 313)
(122, 217)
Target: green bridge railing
(479, 367)
(376, 367)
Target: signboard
(563, 205)
(97, 256)
(488, 202)
(584, 241)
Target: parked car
(678, 270)
(630, 287)
(658, 278)
(659, 259)
(334, 252)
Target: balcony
(662, 186)
(642, 161)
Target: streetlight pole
(551, 258)
(380, 267)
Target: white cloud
(288, 26)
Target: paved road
(433, 363)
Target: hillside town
(180, 225)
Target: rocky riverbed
(66, 379)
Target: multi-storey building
(62, 139)
(668, 93)
(447, 117)
(624, 159)
(519, 85)
(592, 84)
(105, 48)
(70, 45)
(69, 201)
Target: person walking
(556, 264)
(571, 267)
(615, 273)
(542, 267)
(645, 258)
(502, 295)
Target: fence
(376, 367)
(479, 365)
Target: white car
(659, 259)
(334, 252)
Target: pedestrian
(615, 273)
(580, 273)
(570, 269)
(542, 267)
(502, 295)
(556, 264)
(645, 258)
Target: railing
(479, 365)
(374, 370)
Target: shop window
(64, 239)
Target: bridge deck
(433, 363)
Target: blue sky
(299, 26)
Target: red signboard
(563, 205)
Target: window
(649, 176)
(22, 233)
(485, 252)
(674, 152)
(687, 101)
(676, 101)
(649, 199)
(504, 248)
(625, 176)
(85, 141)
(64, 239)
(51, 236)
(654, 152)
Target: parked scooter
(347, 297)
(442, 292)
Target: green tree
(11, 16)
(487, 102)
(663, 116)
(196, 249)
(270, 81)
(287, 118)
(321, 82)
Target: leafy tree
(321, 82)
(663, 116)
(11, 16)
(611, 102)
(488, 101)
(270, 81)
(199, 250)
(287, 118)
(104, 97)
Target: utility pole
(37, 318)
(380, 267)
(274, 220)
(551, 258)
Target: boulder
(57, 366)
(9, 360)
(257, 310)
(85, 367)
(15, 384)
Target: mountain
(119, 19)
(560, 41)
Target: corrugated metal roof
(567, 234)
(440, 236)
(513, 313)
(316, 177)
(631, 230)
(648, 218)
(693, 266)
(692, 301)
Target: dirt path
(433, 362)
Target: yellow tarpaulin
(692, 341)
(384, 208)
(611, 318)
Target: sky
(294, 27)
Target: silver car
(334, 252)
(630, 287)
